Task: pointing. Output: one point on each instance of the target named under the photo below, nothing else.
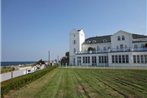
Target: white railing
(114, 50)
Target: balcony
(114, 50)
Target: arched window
(91, 49)
(123, 37)
(118, 38)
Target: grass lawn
(86, 83)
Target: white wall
(79, 37)
(127, 41)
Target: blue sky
(30, 28)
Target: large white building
(119, 49)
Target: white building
(120, 49)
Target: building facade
(120, 49)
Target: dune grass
(86, 83)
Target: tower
(76, 39)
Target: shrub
(21, 81)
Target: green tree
(145, 45)
(65, 59)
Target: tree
(67, 54)
(145, 45)
(91, 49)
(65, 59)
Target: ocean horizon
(9, 63)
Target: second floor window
(121, 46)
(118, 38)
(74, 41)
(104, 48)
(123, 37)
(142, 45)
(98, 48)
(74, 50)
(135, 46)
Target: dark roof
(79, 30)
(98, 39)
(136, 36)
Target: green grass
(86, 83)
(6, 69)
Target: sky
(31, 28)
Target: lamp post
(48, 57)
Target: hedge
(21, 81)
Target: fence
(12, 74)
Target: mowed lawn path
(86, 83)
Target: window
(93, 60)
(118, 38)
(113, 59)
(145, 56)
(94, 41)
(84, 60)
(119, 58)
(135, 46)
(127, 58)
(123, 58)
(125, 46)
(100, 61)
(138, 59)
(142, 45)
(134, 58)
(74, 35)
(121, 46)
(104, 48)
(104, 40)
(105, 59)
(142, 59)
(74, 41)
(88, 59)
(116, 59)
(117, 47)
(102, 58)
(79, 60)
(98, 48)
(74, 50)
(123, 38)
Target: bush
(21, 81)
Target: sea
(16, 63)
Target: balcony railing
(114, 50)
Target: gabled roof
(136, 36)
(98, 39)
